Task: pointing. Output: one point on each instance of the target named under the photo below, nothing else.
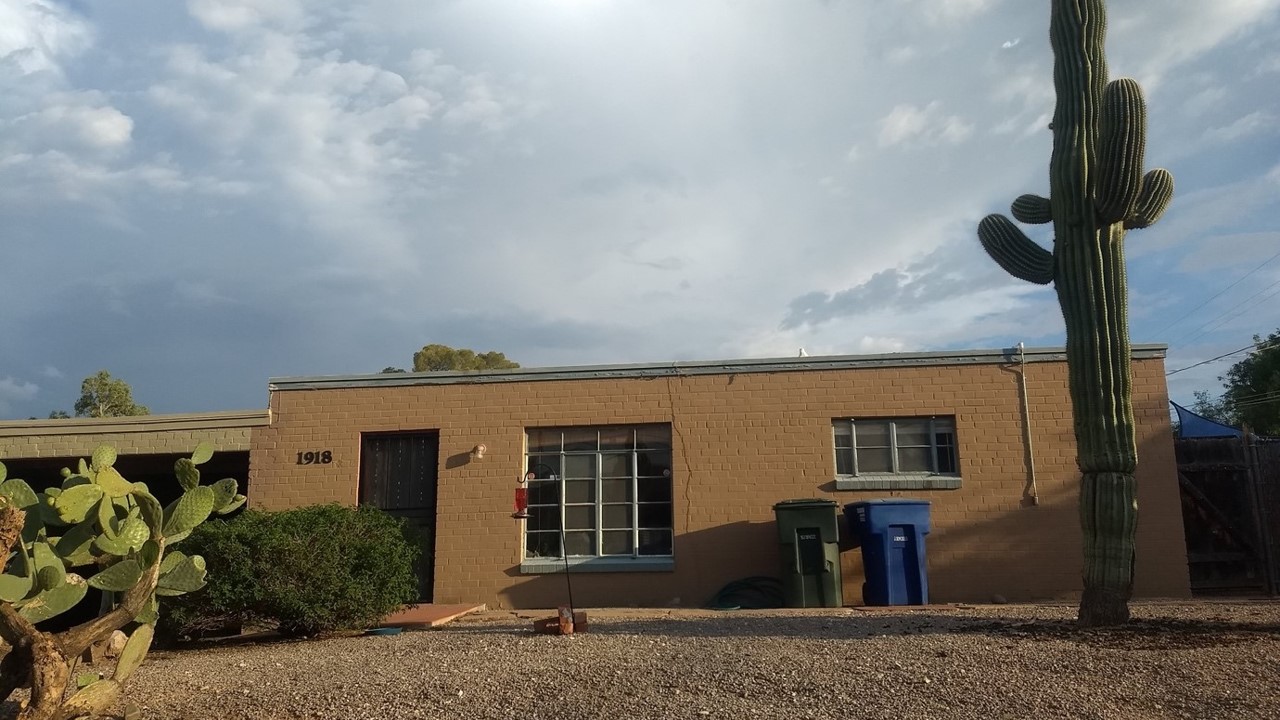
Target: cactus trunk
(1097, 191)
(1090, 280)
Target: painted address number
(318, 457)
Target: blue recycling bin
(891, 533)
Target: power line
(1194, 334)
(1219, 294)
(1248, 347)
(1255, 403)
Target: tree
(1097, 192)
(392, 370)
(1252, 394)
(433, 358)
(59, 415)
(104, 396)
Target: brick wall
(741, 443)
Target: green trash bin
(807, 533)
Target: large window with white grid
(602, 491)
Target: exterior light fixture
(478, 451)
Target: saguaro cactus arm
(1012, 250)
(1032, 209)
(1157, 191)
(1122, 135)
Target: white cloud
(1255, 122)
(1008, 44)
(36, 35)
(15, 391)
(234, 15)
(910, 125)
(1158, 39)
(74, 120)
(943, 11)
(51, 372)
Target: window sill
(905, 481)
(543, 566)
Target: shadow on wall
(1022, 553)
(705, 561)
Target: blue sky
(200, 195)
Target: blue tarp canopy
(1191, 425)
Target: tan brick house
(665, 475)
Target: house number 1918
(318, 457)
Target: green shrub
(305, 571)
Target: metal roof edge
(1143, 351)
(136, 423)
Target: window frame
(598, 561)
(896, 478)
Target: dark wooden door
(398, 474)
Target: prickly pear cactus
(1097, 192)
(95, 530)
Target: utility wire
(1246, 348)
(1194, 334)
(1219, 294)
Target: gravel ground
(1193, 660)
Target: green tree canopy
(104, 396)
(1252, 395)
(433, 358)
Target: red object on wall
(522, 503)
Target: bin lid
(804, 503)
(888, 501)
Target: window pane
(872, 433)
(913, 432)
(615, 516)
(873, 460)
(655, 542)
(543, 518)
(615, 465)
(656, 515)
(547, 441)
(580, 466)
(947, 460)
(579, 491)
(653, 438)
(580, 440)
(844, 461)
(616, 543)
(542, 544)
(616, 438)
(945, 437)
(544, 466)
(916, 459)
(653, 463)
(944, 425)
(843, 433)
(580, 517)
(544, 492)
(653, 490)
(580, 543)
(615, 490)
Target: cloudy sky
(200, 195)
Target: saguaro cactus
(98, 526)
(1097, 191)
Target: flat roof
(135, 423)
(698, 367)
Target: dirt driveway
(1187, 660)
